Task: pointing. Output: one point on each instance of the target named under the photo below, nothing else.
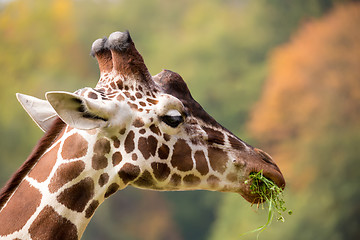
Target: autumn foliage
(308, 118)
(314, 81)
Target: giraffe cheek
(181, 158)
(201, 164)
(218, 159)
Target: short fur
(119, 41)
(43, 144)
(98, 46)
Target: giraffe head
(151, 130)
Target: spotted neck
(58, 197)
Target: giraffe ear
(77, 111)
(39, 110)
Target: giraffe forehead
(139, 101)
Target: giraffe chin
(252, 198)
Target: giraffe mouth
(263, 171)
(261, 185)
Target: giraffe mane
(43, 144)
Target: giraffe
(131, 129)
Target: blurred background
(282, 75)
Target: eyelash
(172, 121)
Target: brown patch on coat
(65, 173)
(129, 172)
(50, 225)
(143, 147)
(127, 94)
(213, 181)
(129, 142)
(91, 208)
(101, 147)
(191, 180)
(218, 159)
(77, 196)
(111, 190)
(152, 143)
(103, 179)
(166, 137)
(116, 158)
(161, 170)
(163, 151)
(120, 97)
(138, 123)
(42, 169)
(99, 162)
(145, 180)
(181, 158)
(93, 95)
(120, 84)
(175, 180)
(20, 208)
(152, 101)
(232, 177)
(147, 146)
(201, 164)
(214, 136)
(116, 142)
(155, 129)
(236, 143)
(122, 131)
(75, 146)
(138, 95)
(133, 106)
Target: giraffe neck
(59, 195)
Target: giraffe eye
(172, 118)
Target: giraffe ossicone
(131, 129)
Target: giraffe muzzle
(261, 161)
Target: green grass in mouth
(270, 193)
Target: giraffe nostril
(266, 158)
(271, 170)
